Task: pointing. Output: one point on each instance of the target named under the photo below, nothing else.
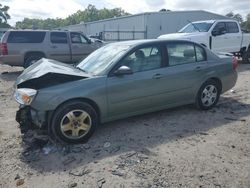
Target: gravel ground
(180, 147)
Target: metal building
(142, 26)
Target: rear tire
(74, 122)
(31, 60)
(208, 95)
(246, 56)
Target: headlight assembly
(25, 96)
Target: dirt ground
(180, 147)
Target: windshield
(101, 59)
(196, 27)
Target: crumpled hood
(181, 35)
(47, 72)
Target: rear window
(232, 27)
(26, 37)
(184, 53)
(58, 37)
(180, 53)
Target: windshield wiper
(81, 69)
(194, 25)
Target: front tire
(74, 122)
(246, 56)
(208, 95)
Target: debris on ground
(72, 185)
(117, 173)
(69, 160)
(81, 173)
(231, 119)
(100, 182)
(86, 146)
(17, 177)
(20, 182)
(106, 145)
(203, 133)
(232, 91)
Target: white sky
(19, 9)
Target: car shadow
(144, 133)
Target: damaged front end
(43, 74)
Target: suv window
(232, 27)
(180, 53)
(78, 38)
(26, 37)
(58, 37)
(144, 59)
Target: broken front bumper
(29, 118)
(23, 117)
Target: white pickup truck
(217, 35)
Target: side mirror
(89, 41)
(123, 70)
(220, 31)
(215, 33)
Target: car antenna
(194, 25)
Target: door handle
(198, 68)
(53, 46)
(157, 76)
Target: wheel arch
(30, 53)
(217, 80)
(90, 102)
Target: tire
(31, 60)
(208, 95)
(246, 56)
(74, 122)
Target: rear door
(186, 65)
(80, 46)
(59, 48)
(233, 37)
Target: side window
(200, 54)
(180, 53)
(78, 38)
(144, 59)
(58, 37)
(26, 37)
(232, 27)
(220, 27)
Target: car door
(133, 93)
(233, 37)
(59, 48)
(80, 46)
(186, 66)
(219, 42)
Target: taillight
(4, 48)
(235, 63)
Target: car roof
(37, 30)
(147, 41)
(212, 21)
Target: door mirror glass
(123, 70)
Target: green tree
(246, 24)
(237, 17)
(4, 16)
(91, 13)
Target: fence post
(118, 32)
(134, 33)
